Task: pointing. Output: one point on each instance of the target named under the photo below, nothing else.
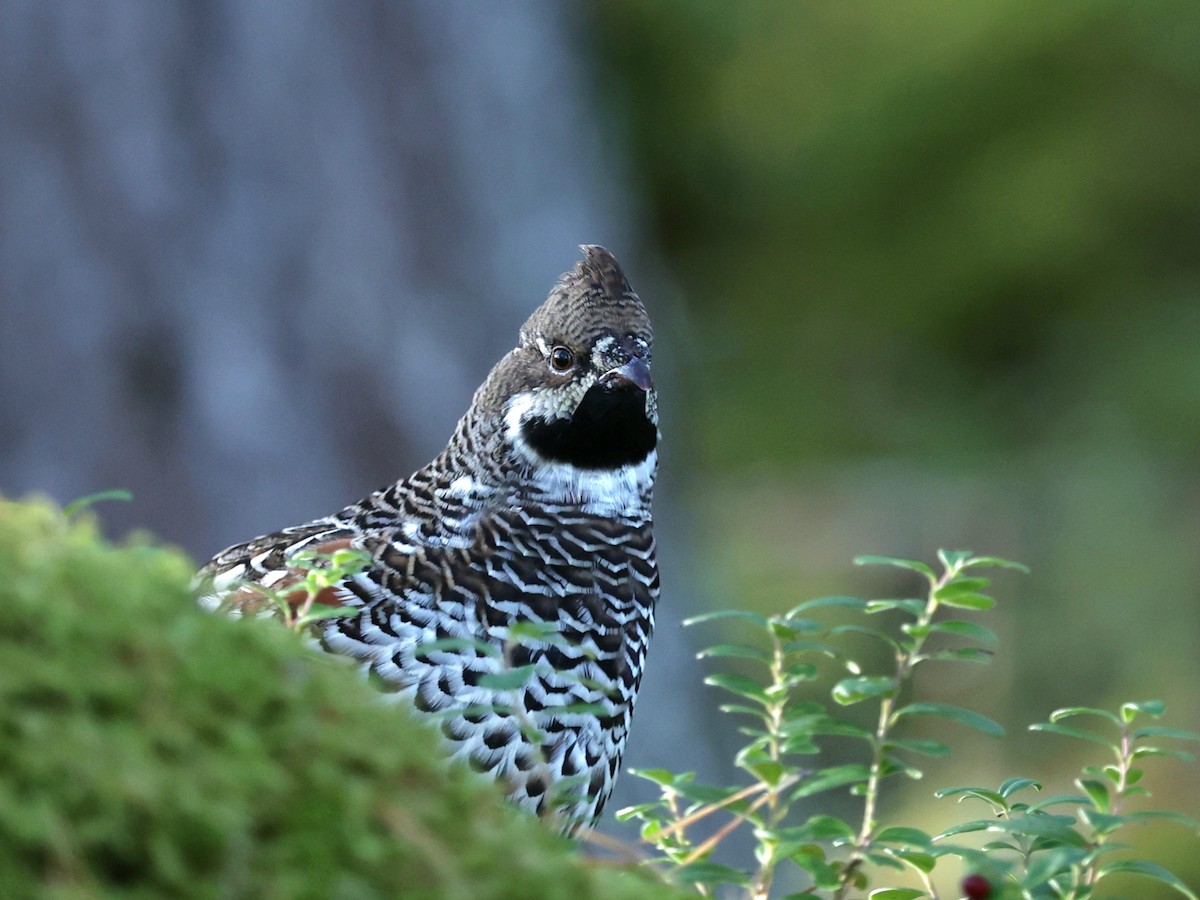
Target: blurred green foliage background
(941, 265)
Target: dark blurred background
(923, 275)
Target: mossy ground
(150, 749)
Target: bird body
(511, 582)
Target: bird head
(577, 390)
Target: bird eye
(561, 359)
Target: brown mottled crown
(593, 295)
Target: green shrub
(150, 749)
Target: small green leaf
(911, 564)
(1050, 863)
(1150, 870)
(814, 646)
(1147, 815)
(1152, 708)
(967, 717)
(1163, 731)
(1102, 822)
(756, 618)
(767, 771)
(801, 745)
(917, 745)
(738, 684)
(819, 602)
(351, 556)
(754, 752)
(802, 709)
(650, 830)
(967, 629)
(913, 607)
(973, 856)
(884, 857)
(966, 828)
(910, 837)
(922, 862)
(996, 562)
(1070, 711)
(896, 894)
(707, 872)
(77, 506)
(755, 711)
(869, 632)
(990, 797)
(780, 630)
(1056, 800)
(824, 876)
(705, 793)
(798, 672)
(961, 654)
(827, 779)
(831, 725)
(1013, 785)
(953, 559)
(581, 709)
(1157, 751)
(968, 601)
(791, 626)
(317, 613)
(961, 585)
(1079, 733)
(892, 765)
(1096, 790)
(508, 680)
(641, 810)
(737, 651)
(1044, 825)
(483, 648)
(795, 840)
(855, 690)
(824, 828)
(1111, 772)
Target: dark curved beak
(634, 372)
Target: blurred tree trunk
(257, 256)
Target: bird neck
(624, 492)
(479, 470)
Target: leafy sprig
(299, 603)
(1043, 853)
(1067, 852)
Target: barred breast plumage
(511, 582)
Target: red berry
(976, 887)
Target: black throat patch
(609, 430)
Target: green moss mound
(149, 749)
